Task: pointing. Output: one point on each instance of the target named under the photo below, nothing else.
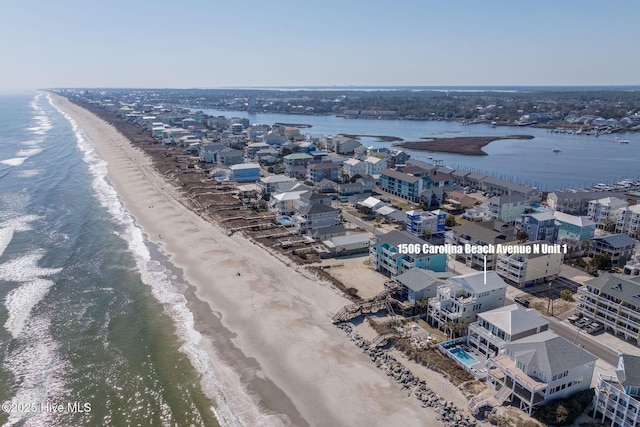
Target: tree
(566, 295)
(450, 221)
(601, 262)
(608, 225)
(522, 236)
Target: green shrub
(562, 412)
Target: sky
(267, 43)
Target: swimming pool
(463, 356)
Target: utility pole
(550, 303)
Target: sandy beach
(267, 331)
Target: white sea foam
(154, 275)
(32, 142)
(35, 363)
(29, 152)
(19, 223)
(30, 173)
(17, 161)
(6, 234)
(20, 302)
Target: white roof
(371, 202)
(289, 195)
(245, 166)
(580, 221)
(386, 210)
(514, 319)
(476, 284)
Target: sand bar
(284, 362)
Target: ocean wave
(30, 173)
(155, 276)
(20, 302)
(29, 152)
(17, 161)
(6, 235)
(32, 142)
(38, 370)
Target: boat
(556, 150)
(622, 141)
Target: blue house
(539, 226)
(385, 256)
(245, 172)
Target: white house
(617, 398)
(463, 297)
(539, 368)
(495, 328)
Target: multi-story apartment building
(481, 234)
(463, 297)
(539, 368)
(531, 268)
(319, 171)
(614, 301)
(607, 208)
(576, 202)
(617, 398)
(495, 328)
(386, 258)
(401, 184)
(628, 221)
(420, 223)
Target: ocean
(94, 329)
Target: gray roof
(317, 209)
(479, 233)
(626, 288)
(585, 195)
(507, 198)
(514, 319)
(630, 374)
(476, 176)
(548, 353)
(617, 240)
(418, 279)
(460, 173)
(400, 175)
(476, 283)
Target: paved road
(362, 224)
(589, 342)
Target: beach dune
(265, 324)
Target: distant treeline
(502, 107)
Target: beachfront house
(614, 301)
(386, 257)
(313, 216)
(245, 172)
(539, 368)
(418, 284)
(462, 298)
(617, 397)
(348, 244)
(495, 328)
(295, 164)
(267, 185)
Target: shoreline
(267, 332)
